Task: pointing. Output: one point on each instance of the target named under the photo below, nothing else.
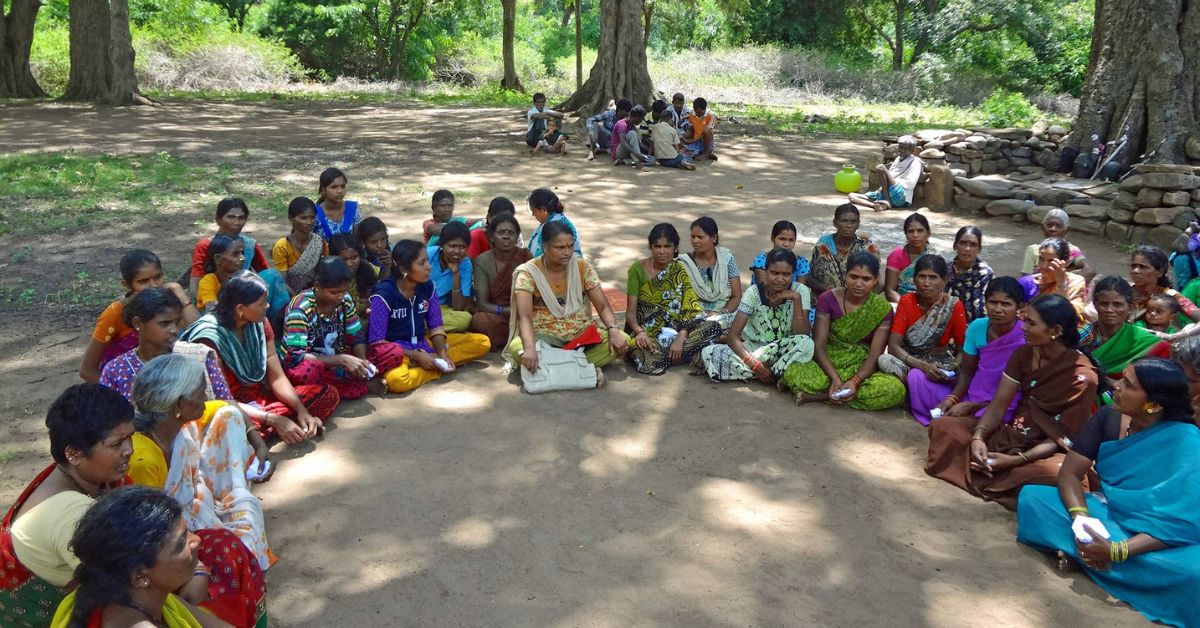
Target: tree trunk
(568, 11)
(511, 80)
(647, 16)
(123, 89)
(898, 41)
(416, 11)
(620, 70)
(16, 39)
(91, 71)
(578, 45)
(1142, 79)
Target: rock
(938, 135)
(1149, 197)
(1192, 147)
(1126, 201)
(1118, 232)
(1087, 211)
(939, 190)
(1039, 127)
(1002, 165)
(890, 152)
(958, 172)
(976, 166)
(971, 153)
(1106, 192)
(1047, 159)
(1139, 233)
(1171, 181)
(1184, 219)
(1006, 133)
(1022, 162)
(1019, 218)
(932, 153)
(935, 144)
(1054, 197)
(976, 142)
(1023, 195)
(1163, 168)
(1007, 207)
(1034, 185)
(985, 189)
(1162, 236)
(970, 203)
(1032, 169)
(1195, 195)
(1056, 129)
(1021, 176)
(1088, 225)
(1037, 213)
(1132, 184)
(1154, 216)
(990, 166)
(1023, 151)
(952, 158)
(957, 148)
(1033, 142)
(1120, 215)
(1176, 198)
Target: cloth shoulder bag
(558, 369)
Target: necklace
(75, 483)
(137, 607)
(166, 452)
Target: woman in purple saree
(990, 341)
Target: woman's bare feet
(882, 206)
(600, 381)
(591, 155)
(1066, 564)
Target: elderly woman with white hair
(202, 466)
(1055, 225)
(899, 180)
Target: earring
(1151, 408)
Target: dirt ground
(654, 501)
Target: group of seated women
(1047, 379)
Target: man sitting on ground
(600, 126)
(625, 141)
(698, 138)
(899, 180)
(679, 111)
(536, 118)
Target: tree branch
(874, 26)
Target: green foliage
(1005, 109)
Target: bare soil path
(655, 501)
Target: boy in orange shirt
(698, 131)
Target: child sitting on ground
(443, 213)
(1161, 313)
(553, 141)
(536, 118)
(666, 142)
(699, 128)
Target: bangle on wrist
(1023, 456)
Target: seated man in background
(899, 180)
(535, 120)
(600, 126)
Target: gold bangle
(1023, 456)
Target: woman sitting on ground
(829, 256)
(987, 346)
(1150, 274)
(992, 459)
(928, 329)
(661, 298)
(324, 340)
(245, 345)
(969, 275)
(372, 238)
(334, 214)
(850, 334)
(1144, 545)
(296, 254)
(155, 313)
(770, 332)
(480, 238)
(898, 280)
(405, 311)
(1052, 277)
(1112, 340)
(90, 428)
(203, 468)
(546, 208)
(140, 269)
(1055, 225)
(135, 552)
(714, 273)
(363, 273)
(232, 214)
(493, 278)
(452, 275)
(783, 236)
(565, 319)
(224, 259)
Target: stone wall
(1013, 172)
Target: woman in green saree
(661, 298)
(1113, 341)
(851, 332)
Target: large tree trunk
(511, 80)
(16, 40)
(1141, 79)
(620, 70)
(91, 70)
(123, 89)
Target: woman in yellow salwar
(135, 551)
(851, 332)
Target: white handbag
(558, 369)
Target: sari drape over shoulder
(1056, 399)
(667, 300)
(1147, 486)
(993, 358)
(1128, 344)
(25, 599)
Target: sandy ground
(655, 501)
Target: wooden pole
(578, 45)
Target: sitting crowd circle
(1066, 398)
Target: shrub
(1004, 108)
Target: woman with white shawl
(899, 180)
(714, 273)
(553, 296)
